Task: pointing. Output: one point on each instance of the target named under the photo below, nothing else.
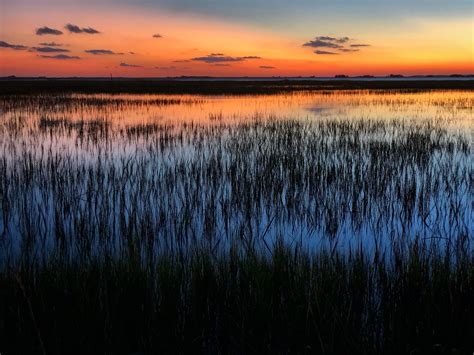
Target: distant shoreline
(221, 86)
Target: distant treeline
(234, 87)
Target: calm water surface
(94, 174)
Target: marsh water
(82, 176)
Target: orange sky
(416, 46)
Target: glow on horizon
(420, 46)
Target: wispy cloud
(48, 31)
(165, 68)
(16, 47)
(51, 44)
(60, 56)
(349, 50)
(76, 29)
(102, 52)
(130, 65)
(325, 52)
(221, 58)
(49, 50)
(328, 43)
(318, 43)
(266, 67)
(157, 35)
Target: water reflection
(95, 174)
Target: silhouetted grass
(290, 301)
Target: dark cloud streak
(16, 47)
(318, 43)
(49, 50)
(349, 50)
(221, 58)
(102, 52)
(48, 31)
(76, 29)
(325, 53)
(126, 65)
(51, 44)
(342, 44)
(60, 56)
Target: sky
(160, 38)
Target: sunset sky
(155, 38)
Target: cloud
(221, 65)
(266, 67)
(165, 68)
(102, 52)
(60, 56)
(181, 61)
(342, 39)
(49, 50)
(47, 31)
(76, 29)
(359, 45)
(349, 50)
(130, 65)
(221, 58)
(90, 30)
(325, 52)
(51, 44)
(17, 47)
(157, 35)
(318, 43)
(342, 44)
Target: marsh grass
(245, 303)
(268, 234)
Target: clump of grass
(245, 302)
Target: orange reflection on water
(451, 108)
